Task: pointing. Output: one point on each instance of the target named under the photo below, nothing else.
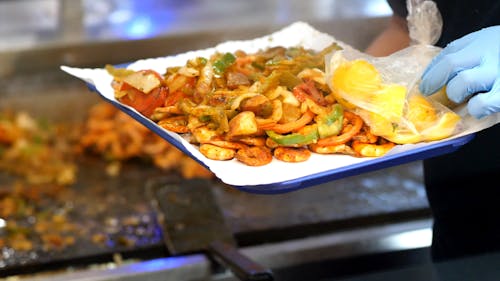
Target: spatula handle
(242, 267)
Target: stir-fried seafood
(116, 136)
(250, 107)
(41, 158)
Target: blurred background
(102, 226)
(33, 23)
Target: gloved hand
(469, 66)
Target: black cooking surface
(107, 215)
(96, 217)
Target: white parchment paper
(238, 174)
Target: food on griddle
(36, 150)
(43, 152)
(251, 106)
(28, 224)
(40, 158)
(118, 137)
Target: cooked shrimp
(271, 143)
(332, 149)
(177, 124)
(216, 152)
(292, 154)
(227, 144)
(254, 155)
(252, 141)
(232, 102)
(314, 74)
(308, 90)
(365, 135)
(203, 134)
(294, 125)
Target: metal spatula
(192, 222)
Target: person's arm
(394, 38)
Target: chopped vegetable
(144, 81)
(145, 103)
(224, 62)
(289, 80)
(276, 97)
(295, 139)
(118, 73)
(331, 124)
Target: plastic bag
(384, 90)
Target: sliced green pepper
(271, 82)
(295, 139)
(331, 123)
(118, 73)
(224, 62)
(259, 66)
(289, 80)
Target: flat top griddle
(114, 215)
(102, 215)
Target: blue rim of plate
(387, 161)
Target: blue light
(164, 263)
(139, 27)
(143, 25)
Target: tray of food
(280, 112)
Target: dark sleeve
(398, 7)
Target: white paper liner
(233, 172)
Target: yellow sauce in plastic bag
(389, 109)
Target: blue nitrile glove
(467, 66)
